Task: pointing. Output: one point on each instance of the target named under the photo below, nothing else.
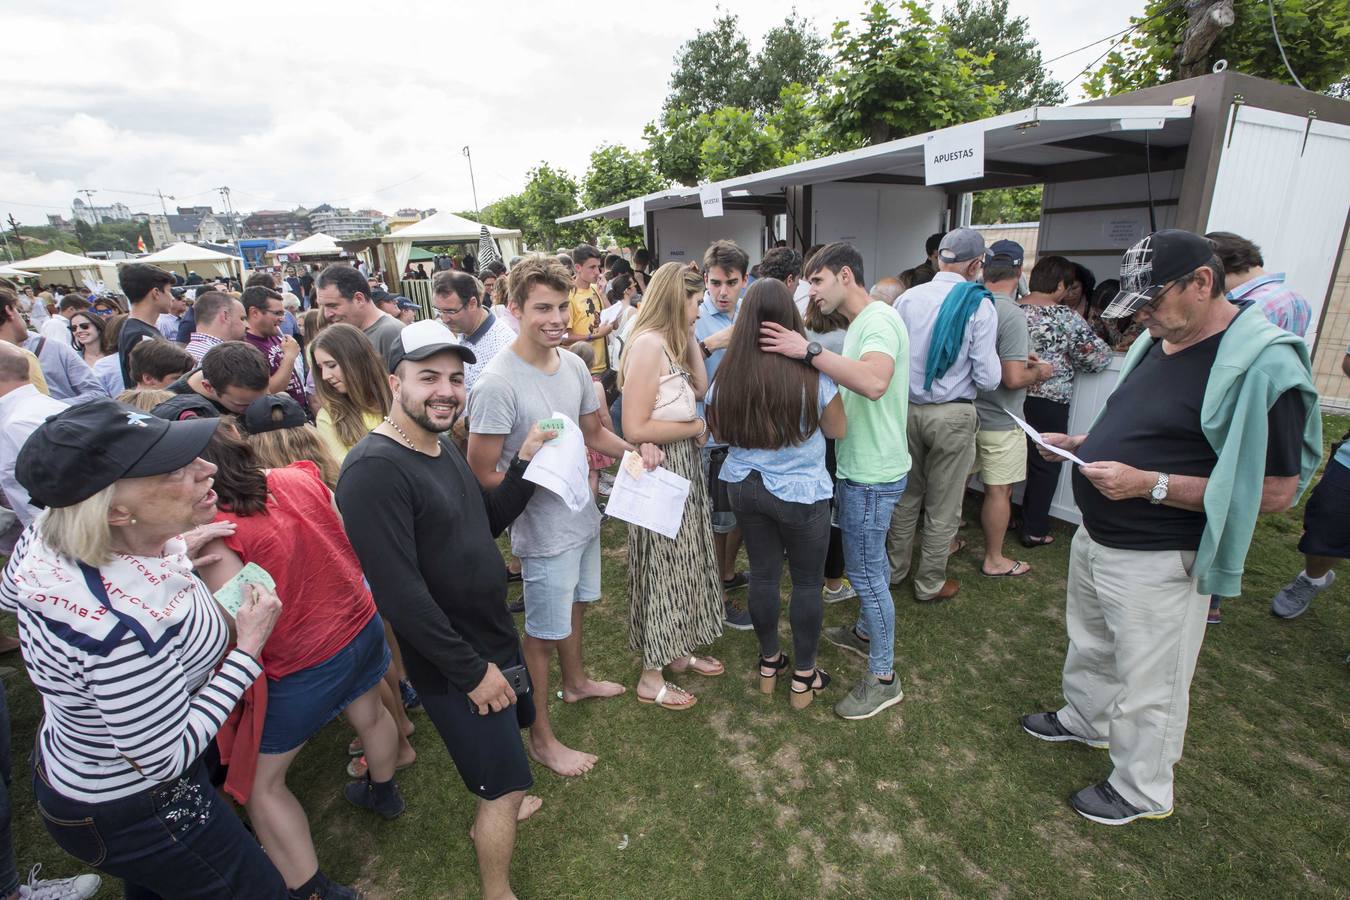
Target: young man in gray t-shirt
(559, 549)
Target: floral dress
(1064, 339)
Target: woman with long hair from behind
(774, 414)
(673, 585)
(352, 386)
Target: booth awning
(446, 228)
(193, 258)
(1017, 145)
(318, 244)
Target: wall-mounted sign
(954, 154)
(637, 213)
(710, 198)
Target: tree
(674, 144)
(899, 77)
(1001, 205)
(549, 194)
(711, 69)
(985, 27)
(1315, 34)
(736, 143)
(617, 174)
(793, 53)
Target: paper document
(234, 592)
(1040, 441)
(560, 466)
(653, 500)
(611, 312)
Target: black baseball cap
(427, 338)
(260, 418)
(1151, 265)
(404, 303)
(84, 449)
(1005, 252)
(186, 406)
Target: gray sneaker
(845, 592)
(1293, 599)
(845, 638)
(869, 697)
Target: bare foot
(592, 689)
(408, 728)
(562, 759)
(406, 755)
(701, 665)
(528, 807)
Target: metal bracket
(1312, 117)
(1238, 100)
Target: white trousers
(1135, 623)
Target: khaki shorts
(1001, 456)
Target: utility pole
(473, 186)
(89, 196)
(14, 225)
(162, 205)
(229, 213)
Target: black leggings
(1042, 475)
(834, 557)
(770, 527)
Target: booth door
(1284, 182)
(683, 234)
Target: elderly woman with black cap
(128, 649)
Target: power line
(1275, 31)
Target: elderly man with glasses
(1213, 421)
(457, 297)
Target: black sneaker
(517, 606)
(737, 618)
(1101, 803)
(363, 794)
(1046, 726)
(736, 582)
(512, 576)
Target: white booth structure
(190, 258)
(1220, 152)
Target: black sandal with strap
(802, 698)
(767, 682)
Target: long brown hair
(241, 483)
(664, 310)
(362, 372)
(764, 401)
(279, 448)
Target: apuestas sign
(710, 198)
(953, 154)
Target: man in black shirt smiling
(423, 530)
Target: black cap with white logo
(1151, 265)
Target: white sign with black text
(955, 154)
(637, 213)
(710, 198)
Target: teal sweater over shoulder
(1256, 364)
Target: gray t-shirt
(383, 334)
(1012, 343)
(509, 397)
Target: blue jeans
(9, 875)
(177, 840)
(865, 518)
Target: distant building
(277, 224)
(191, 224)
(344, 223)
(96, 215)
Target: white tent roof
(445, 226)
(58, 259)
(14, 272)
(315, 245)
(182, 252)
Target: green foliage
(985, 27)
(903, 76)
(675, 143)
(1019, 204)
(736, 143)
(793, 54)
(617, 174)
(549, 193)
(1316, 36)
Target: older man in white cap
(953, 326)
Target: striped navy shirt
(120, 718)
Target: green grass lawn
(941, 796)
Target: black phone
(516, 676)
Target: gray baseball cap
(961, 245)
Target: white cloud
(360, 106)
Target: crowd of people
(241, 514)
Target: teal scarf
(949, 332)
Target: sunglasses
(84, 326)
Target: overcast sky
(360, 105)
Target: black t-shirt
(182, 387)
(425, 531)
(1152, 422)
(133, 332)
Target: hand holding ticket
(234, 592)
(1041, 442)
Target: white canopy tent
(316, 245)
(191, 258)
(445, 228)
(14, 272)
(78, 269)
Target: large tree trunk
(1205, 20)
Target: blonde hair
(664, 311)
(280, 447)
(145, 399)
(81, 531)
(585, 351)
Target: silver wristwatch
(1159, 492)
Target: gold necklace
(407, 440)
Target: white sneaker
(845, 592)
(77, 888)
(606, 484)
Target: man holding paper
(558, 543)
(1213, 421)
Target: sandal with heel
(768, 682)
(805, 688)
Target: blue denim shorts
(305, 701)
(553, 583)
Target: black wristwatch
(707, 354)
(813, 350)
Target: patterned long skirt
(674, 598)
